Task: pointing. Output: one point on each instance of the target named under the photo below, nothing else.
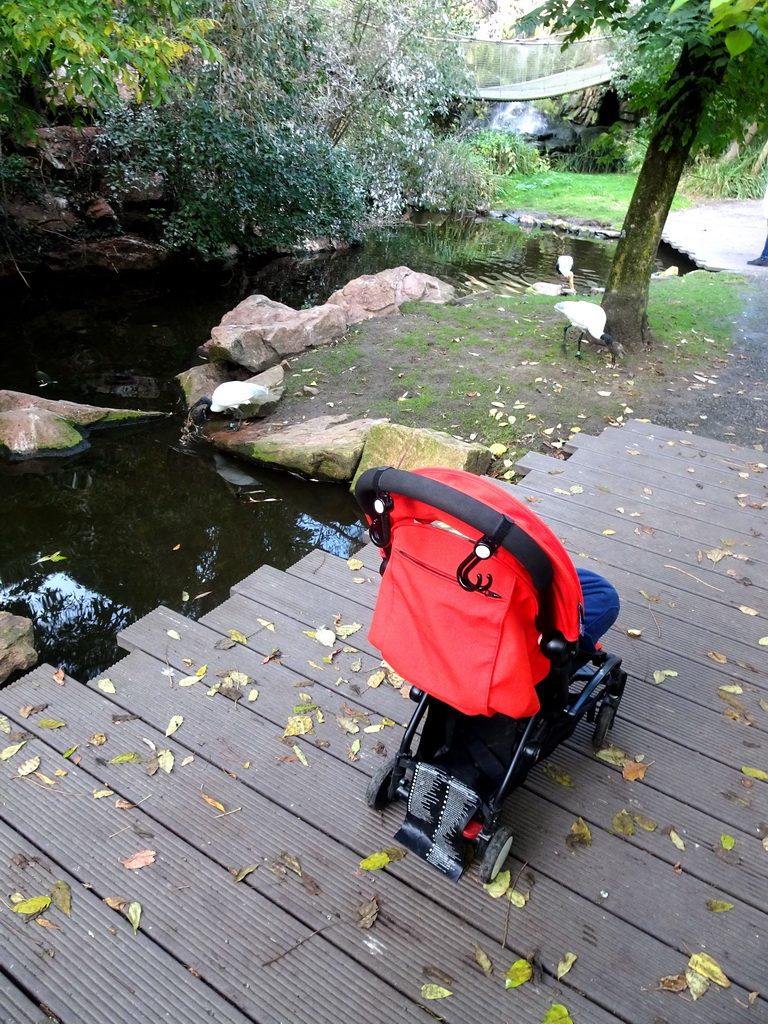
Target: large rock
(17, 652)
(201, 381)
(326, 448)
(382, 294)
(31, 426)
(390, 444)
(259, 333)
(123, 252)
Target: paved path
(720, 234)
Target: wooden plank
(15, 1008)
(261, 831)
(215, 926)
(130, 974)
(720, 478)
(605, 936)
(730, 451)
(692, 509)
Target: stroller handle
(385, 479)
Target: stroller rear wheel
(495, 854)
(377, 794)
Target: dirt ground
(493, 369)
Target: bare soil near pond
(493, 369)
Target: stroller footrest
(439, 807)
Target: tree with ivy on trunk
(709, 78)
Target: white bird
(233, 396)
(565, 269)
(590, 319)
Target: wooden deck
(679, 524)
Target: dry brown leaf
(717, 656)
(673, 983)
(58, 676)
(46, 924)
(634, 772)
(123, 805)
(140, 859)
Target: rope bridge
(531, 69)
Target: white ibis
(565, 269)
(590, 319)
(233, 396)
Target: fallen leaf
(645, 823)
(382, 858)
(8, 752)
(719, 906)
(46, 780)
(435, 992)
(106, 685)
(483, 960)
(367, 913)
(174, 724)
(131, 757)
(348, 630)
(133, 913)
(61, 895)
(354, 750)
(123, 805)
(697, 983)
(173, 634)
(557, 1014)
(673, 983)
(520, 972)
(116, 902)
(661, 674)
(45, 923)
(622, 822)
(35, 905)
(580, 834)
(140, 859)
(518, 899)
(354, 564)
(608, 533)
(702, 963)
(67, 753)
(237, 636)
(212, 802)
(97, 739)
(99, 794)
(747, 610)
(347, 724)
(244, 872)
(676, 839)
(717, 656)
(499, 885)
(569, 959)
(300, 754)
(557, 775)
(27, 767)
(30, 709)
(299, 725)
(753, 773)
(189, 680)
(165, 760)
(727, 842)
(613, 755)
(634, 772)
(58, 676)
(267, 624)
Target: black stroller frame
(496, 752)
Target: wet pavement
(720, 234)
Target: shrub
(507, 152)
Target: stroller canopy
(477, 649)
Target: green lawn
(600, 197)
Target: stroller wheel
(377, 794)
(495, 854)
(605, 717)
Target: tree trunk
(677, 122)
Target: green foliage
(506, 152)
(77, 54)
(740, 176)
(599, 154)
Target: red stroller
(493, 657)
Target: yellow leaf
(300, 754)
(727, 842)
(702, 963)
(299, 725)
(434, 992)
(719, 906)
(634, 632)
(266, 624)
(517, 898)
(557, 1014)
(676, 840)
(747, 610)
(354, 564)
(608, 533)
(237, 636)
(763, 641)
(27, 767)
(10, 751)
(483, 960)
(174, 724)
(756, 773)
(202, 670)
(212, 802)
(106, 685)
(173, 634)
(717, 656)
(697, 983)
(622, 822)
(569, 959)
(557, 775)
(499, 885)
(497, 449)
(189, 680)
(33, 906)
(518, 974)
(98, 794)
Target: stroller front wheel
(605, 717)
(495, 854)
(377, 795)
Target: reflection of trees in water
(140, 523)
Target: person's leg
(601, 606)
(762, 259)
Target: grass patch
(494, 370)
(595, 197)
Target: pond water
(141, 519)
